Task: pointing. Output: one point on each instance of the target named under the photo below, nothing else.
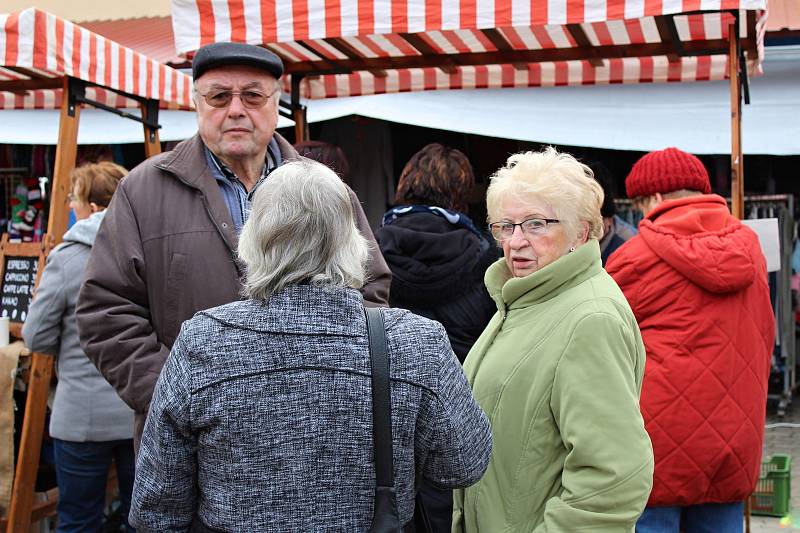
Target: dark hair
(96, 182)
(436, 175)
(606, 181)
(328, 154)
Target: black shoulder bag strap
(385, 518)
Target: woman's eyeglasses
(533, 226)
(250, 99)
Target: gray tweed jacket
(261, 419)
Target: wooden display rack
(21, 511)
(87, 69)
(30, 259)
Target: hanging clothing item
(696, 280)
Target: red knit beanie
(667, 171)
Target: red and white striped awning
(37, 49)
(355, 47)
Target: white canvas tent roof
(40, 126)
(691, 116)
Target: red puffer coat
(696, 280)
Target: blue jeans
(82, 472)
(703, 518)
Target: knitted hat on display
(666, 171)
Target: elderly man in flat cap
(167, 247)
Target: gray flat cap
(223, 54)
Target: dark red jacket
(696, 280)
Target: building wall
(83, 10)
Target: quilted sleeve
(621, 266)
(608, 470)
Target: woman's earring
(572, 249)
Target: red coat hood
(706, 245)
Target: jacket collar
(566, 272)
(188, 160)
(298, 309)
(84, 231)
(188, 163)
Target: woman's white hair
(301, 229)
(557, 179)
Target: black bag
(385, 518)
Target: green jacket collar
(566, 272)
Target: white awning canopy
(692, 116)
(40, 126)
(643, 117)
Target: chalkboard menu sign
(22, 264)
(19, 279)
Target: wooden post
(298, 111)
(151, 147)
(737, 161)
(30, 446)
(152, 144)
(66, 153)
(300, 124)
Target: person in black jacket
(436, 254)
(438, 258)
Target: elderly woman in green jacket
(559, 368)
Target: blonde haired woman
(262, 417)
(89, 423)
(559, 368)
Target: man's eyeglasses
(533, 226)
(250, 99)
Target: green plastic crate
(774, 489)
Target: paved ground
(783, 440)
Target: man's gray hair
(301, 230)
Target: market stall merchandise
(47, 62)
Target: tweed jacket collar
(337, 312)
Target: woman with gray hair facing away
(262, 416)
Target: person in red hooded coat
(696, 280)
